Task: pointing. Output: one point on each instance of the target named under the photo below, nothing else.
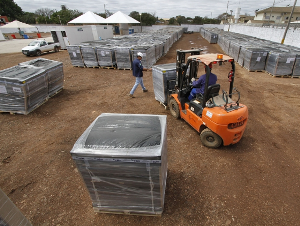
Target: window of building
(287, 18)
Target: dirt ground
(254, 182)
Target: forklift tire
(210, 139)
(174, 108)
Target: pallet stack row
(122, 159)
(256, 54)
(25, 87)
(119, 52)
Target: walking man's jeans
(139, 80)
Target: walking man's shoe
(131, 95)
(145, 90)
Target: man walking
(137, 71)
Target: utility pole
(105, 12)
(288, 24)
(226, 12)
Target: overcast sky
(161, 8)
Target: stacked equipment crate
(122, 159)
(25, 87)
(54, 70)
(164, 78)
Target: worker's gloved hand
(193, 79)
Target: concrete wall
(1, 36)
(274, 34)
(191, 27)
(38, 28)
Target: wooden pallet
(125, 212)
(11, 112)
(253, 70)
(165, 105)
(78, 66)
(278, 76)
(58, 91)
(295, 76)
(92, 66)
(107, 67)
(129, 69)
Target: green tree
(147, 18)
(46, 12)
(44, 15)
(105, 14)
(223, 16)
(101, 14)
(64, 16)
(135, 15)
(10, 9)
(28, 18)
(181, 20)
(172, 21)
(197, 20)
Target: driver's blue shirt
(199, 85)
(137, 68)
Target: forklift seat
(213, 91)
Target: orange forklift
(217, 117)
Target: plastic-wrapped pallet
(164, 77)
(22, 89)
(157, 51)
(212, 38)
(10, 214)
(221, 42)
(122, 159)
(280, 63)
(106, 56)
(75, 55)
(296, 69)
(89, 56)
(54, 70)
(148, 55)
(253, 58)
(234, 50)
(123, 57)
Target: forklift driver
(199, 85)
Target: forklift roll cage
(192, 64)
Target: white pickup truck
(37, 47)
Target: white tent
(120, 18)
(88, 18)
(17, 24)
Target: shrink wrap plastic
(122, 159)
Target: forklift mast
(182, 67)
